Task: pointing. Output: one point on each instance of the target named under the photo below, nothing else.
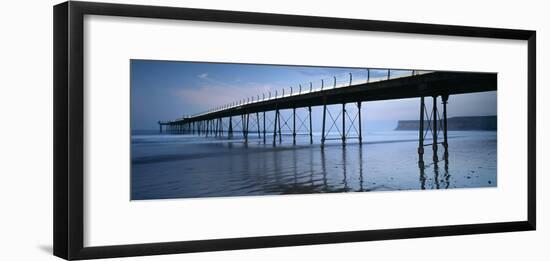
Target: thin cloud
(203, 75)
(212, 95)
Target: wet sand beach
(187, 166)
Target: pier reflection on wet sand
(217, 168)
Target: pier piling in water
(434, 128)
(344, 124)
(444, 100)
(421, 133)
(294, 126)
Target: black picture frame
(69, 118)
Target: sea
(167, 166)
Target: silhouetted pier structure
(223, 120)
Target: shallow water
(188, 166)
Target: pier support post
(264, 125)
(279, 125)
(217, 127)
(294, 126)
(421, 134)
(212, 127)
(444, 99)
(275, 126)
(434, 129)
(230, 131)
(343, 124)
(245, 127)
(258, 123)
(360, 130)
(221, 127)
(160, 127)
(207, 128)
(324, 120)
(310, 127)
(243, 119)
(247, 120)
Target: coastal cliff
(488, 123)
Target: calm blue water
(187, 166)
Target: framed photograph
(183, 130)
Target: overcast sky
(165, 90)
